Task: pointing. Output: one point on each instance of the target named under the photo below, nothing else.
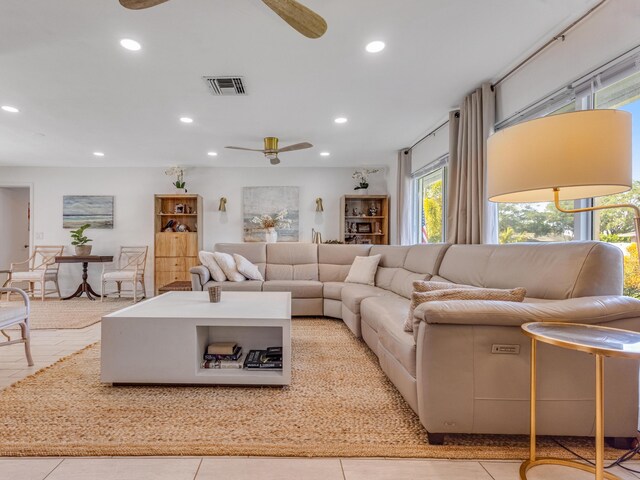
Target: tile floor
(51, 345)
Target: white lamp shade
(583, 154)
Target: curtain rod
(560, 36)
(431, 132)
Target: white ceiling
(78, 91)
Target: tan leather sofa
(446, 370)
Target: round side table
(599, 341)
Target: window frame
(440, 164)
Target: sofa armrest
(589, 310)
(200, 275)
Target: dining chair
(129, 267)
(40, 267)
(10, 315)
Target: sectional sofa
(446, 369)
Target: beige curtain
(404, 215)
(471, 218)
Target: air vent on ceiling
(225, 85)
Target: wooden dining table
(84, 287)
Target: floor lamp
(563, 157)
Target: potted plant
(180, 184)
(362, 179)
(269, 224)
(79, 240)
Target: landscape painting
(257, 201)
(96, 210)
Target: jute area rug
(339, 404)
(74, 313)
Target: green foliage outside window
(432, 208)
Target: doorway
(15, 225)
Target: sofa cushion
(228, 266)
(554, 271)
(420, 263)
(373, 309)
(333, 290)
(246, 268)
(335, 260)
(386, 314)
(246, 286)
(292, 261)
(391, 259)
(298, 288)
(353, 294)
(8, 314)
(255, 252)
(209, 261)
(363, 270)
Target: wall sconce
(319, 207)
(223, 204)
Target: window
(616, 225)
(430, 206)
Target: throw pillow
(430, 286)
(417, 298)
(246, 268)
(208, 260)
(363, 270)
(228, 266)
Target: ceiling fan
(271, 149)
(304, 20)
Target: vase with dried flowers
(362, 179)
(270, 223)
(177, 172)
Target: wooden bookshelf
(364, 219)
(176, 251)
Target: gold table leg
(533, 461)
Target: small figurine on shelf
(373, 210)
(355, 212)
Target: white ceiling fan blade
(304, 20)
(297, 146)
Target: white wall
(607, 33)
(134, 188)
(14, 225)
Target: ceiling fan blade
(140, 4)
(274, 161)
(297, 146)
(304, 20)
(247, 149)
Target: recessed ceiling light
(10, 109)
(130, 44)
(98, 154)
(324, 154)
(186, 120)
(375, 47)
(341, 120)
(212, 154)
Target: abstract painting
(257, 201)
(96, 210)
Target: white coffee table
(163, 340)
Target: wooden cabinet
(364, 219)
(178, 237)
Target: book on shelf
(223, 364)
(264, 359)
(237, 353)
(222, 348)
